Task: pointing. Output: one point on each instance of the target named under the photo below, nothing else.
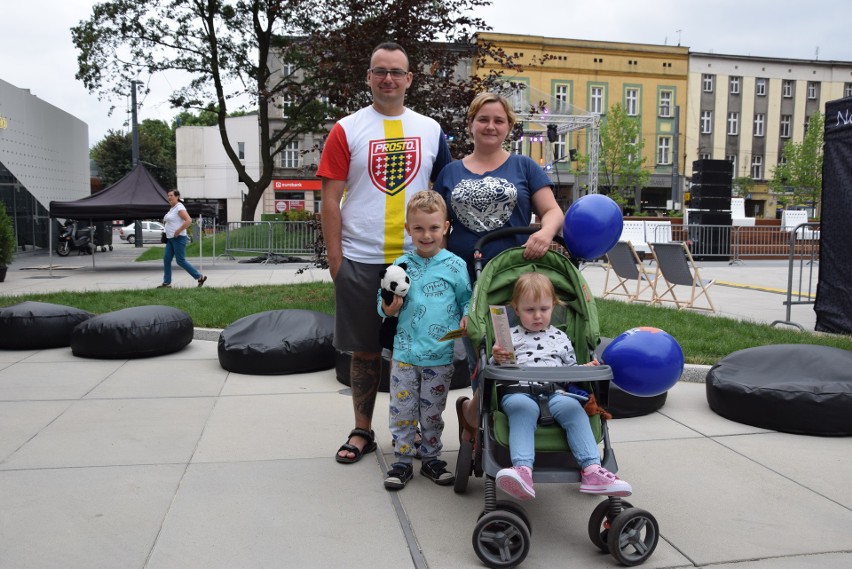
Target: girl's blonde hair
(485, 98)
(427, 201)
(537, 286)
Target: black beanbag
(278, 342)
(38, 325)
(138, 332)
(793, 388)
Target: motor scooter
(72, 237)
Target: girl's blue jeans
(522, 410)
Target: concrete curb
(691, 372)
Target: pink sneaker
(517, 482)
(596, 479)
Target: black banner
(833, 304)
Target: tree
(621, 160)
(742, 186)
(801, 170)
(114, 157)
(236, 49)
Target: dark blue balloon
(592, 227)
(645, 361)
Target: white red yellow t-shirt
(383, 160)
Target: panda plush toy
(394, 281)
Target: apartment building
(577, 78)
(744, 109)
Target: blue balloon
(645, 361)
(592, 227)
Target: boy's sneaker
(436, 471)
(517, 482)
(398, 476)
(596, 479)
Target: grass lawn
(704, 339)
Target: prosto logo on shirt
(394, 163)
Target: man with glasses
(373, 160)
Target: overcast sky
(36, 52)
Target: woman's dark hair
(175, 192)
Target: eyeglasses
(381, 72)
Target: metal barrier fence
(737, 243)
(802, 272)
(271, 237)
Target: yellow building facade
(561, 78)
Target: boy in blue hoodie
(422, 366)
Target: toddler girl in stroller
(537, 343)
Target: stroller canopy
(497, 281)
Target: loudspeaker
(707, 165)
(710, 218)
(717, 178)
(714, 204)
(710, 191)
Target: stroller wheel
(464, 467)
(516, 509)
(501, 539)
(600, 522)
(633, 536)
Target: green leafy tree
(742, 186)
(621, 162)
(114, 156)
(7, 237)
(800, 174)
(233, 51)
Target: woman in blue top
(490, 189)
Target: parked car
(150, 232)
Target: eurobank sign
(297, 185)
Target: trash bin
(103, 235)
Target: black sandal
(371, 446)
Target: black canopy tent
(136, 196)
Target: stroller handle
(501, 233)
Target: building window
(704, 156)
(733, 124)
(732, 158)
(706, 122)
(596, 100)
(757, 167)
(812, 90)
(707, 82)
(787, 89)
(519, 100)
(664, 150)
(665, 103)
(287, 69)
(286, 103)
(759, 124)
(561, 98)
(631, 101)
(241, 150)
(760, 87)
(633, 146)
(735, 85)
(786, 123)
(290, 155)
(847, 89)
(560, 147)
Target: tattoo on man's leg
(364, 379)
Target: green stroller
(501, 537)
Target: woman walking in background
(176, 221)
